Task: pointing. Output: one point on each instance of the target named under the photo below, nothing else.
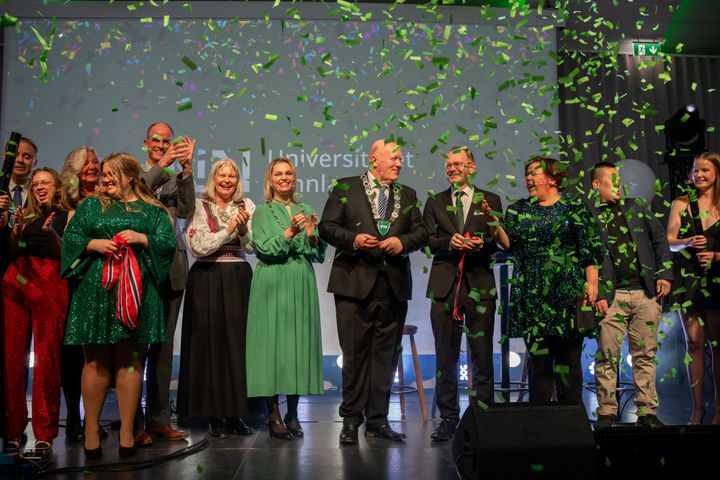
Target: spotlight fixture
(685, 131)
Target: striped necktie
(382, 202)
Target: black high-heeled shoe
(93, 453)
(294, 427)
(126, 452)
(277, 429)
(237, 426)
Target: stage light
(514, 359)
(685, 131)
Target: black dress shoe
(217, 428)
(74, 431)
(444, 431)
(349, 434)
(294, 427)
(278, 430)
(237, 426)
(384, 431)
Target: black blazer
(441, 226)
(348, 213)
(651, 244)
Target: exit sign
(648, 49)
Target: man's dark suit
(371, 293)
(478, 307)
(177, 193)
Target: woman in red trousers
(35, 299)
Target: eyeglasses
(41, 183)
(457, 166)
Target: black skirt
(212, 357)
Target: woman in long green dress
(284, 346)
(123, 214)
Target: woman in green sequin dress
(124, 206)
(557, 248)
(284, 346)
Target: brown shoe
(166, 432)
(143, 438)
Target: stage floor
(317, 456)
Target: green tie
(459, 210)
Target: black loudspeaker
(658, 452)
(523, 440)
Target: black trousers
(159, 362)
(370, 331)
(555, 366)
(479, 326)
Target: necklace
(382, 224)
(275, 215)
(283, 202)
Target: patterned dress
(552, 246)
(92, 320)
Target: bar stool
(402, 389)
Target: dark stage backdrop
(643, 94)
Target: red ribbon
(122, 267)
(456, 313)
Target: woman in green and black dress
(124, 211)
(557, 248)
(284, 346)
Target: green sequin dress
(91, 320)
(552, 245)
(284, 345)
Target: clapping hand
(48, 225)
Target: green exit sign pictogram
(646, 49)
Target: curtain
(609, 112)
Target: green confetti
(131, 369)
(185, 106)
(270, 116)
(21, 279)
(7, 20)
(190, 64)
(199, 468)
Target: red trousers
(35, 299)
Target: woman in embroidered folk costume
(35, 299)
(118, 246)
(284, 346)
(212, 358)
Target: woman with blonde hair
(693, 232)
(212, 356)
(284, 346)
(118, 246)
(80, 176)
(35, 300)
